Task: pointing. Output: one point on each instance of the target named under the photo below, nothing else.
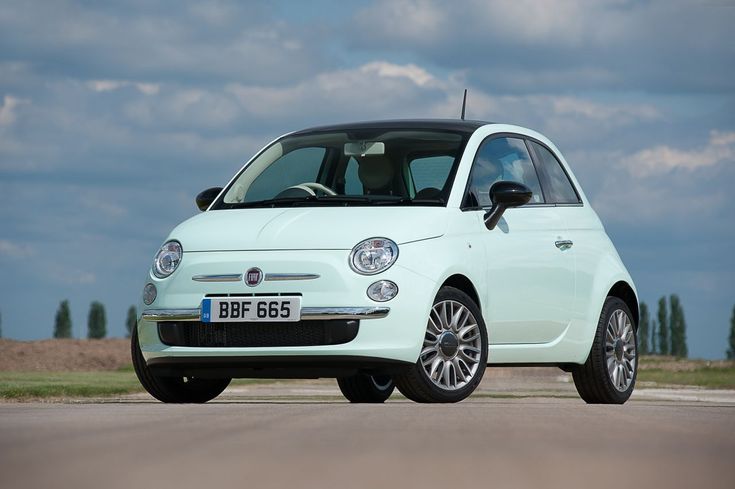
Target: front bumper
(389, 332)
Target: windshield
(390, 167)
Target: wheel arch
(623, 291)
(463, 283)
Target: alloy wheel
(452, 346)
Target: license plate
(247, 309)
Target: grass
(704, 376)
(40, 385)
(29, 385)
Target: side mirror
(503, 195)
(205, 198)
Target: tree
(131, 320)
(654, 335)
(677, 326)
(62, 324)
(96, 321)
(643, 330)
(731, 350)
(663, 327)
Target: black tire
(415, 383)
(592, 379)
(364, 388)
(174, 389)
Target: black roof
(454, 125)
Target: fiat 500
(397, 254)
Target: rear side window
(430, 173)
(561, 190)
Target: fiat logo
(253, 277)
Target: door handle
(564, 244)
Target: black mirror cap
(206, 197)
(503, 195)
(509, 194)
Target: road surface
(302, 435)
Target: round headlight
(167, 259)
(373, 256)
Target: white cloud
(664, 159)
(414, 73)
(7, 110)
(15, 250)
(111, 85)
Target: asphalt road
(310, 438)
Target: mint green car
(408, 254)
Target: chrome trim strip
(277, 277)
(171, 315)
(314, 313)
(307, 313)
(230, 277)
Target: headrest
(375, 172)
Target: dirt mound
(64, 355)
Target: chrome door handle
(564, 244)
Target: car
(406, 254)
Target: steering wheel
(312, 187)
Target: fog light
(382, 290)
(149, 294)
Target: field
(63, 369)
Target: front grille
(260, 334)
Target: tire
(173, 389)
(608, 376)
(462, 357)
(364, 388)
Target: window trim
(538, 162)
(498, 135)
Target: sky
(113, 116)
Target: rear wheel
(174, 389)
(364, 388)
(454, 353)
(608, 376)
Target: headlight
(373, 256)
(167, 259)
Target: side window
(299, 166)
(561, 191)
(353, 185)
(430, 173)
(503, 159)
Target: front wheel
(174, 389)
(454, 353)
(608, 376)
(364, 388)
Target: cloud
(664, 159)
(15, 250)
(110, 85)
(522, 46)
(661, 185)
(7, 110)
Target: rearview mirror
(503, 195)
(206, 197)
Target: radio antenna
(464, 102)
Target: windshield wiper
(307, 200)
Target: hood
(307, 228)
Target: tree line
(666, 333)
(96, 321)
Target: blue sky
(114, 116)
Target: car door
(530, 271)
